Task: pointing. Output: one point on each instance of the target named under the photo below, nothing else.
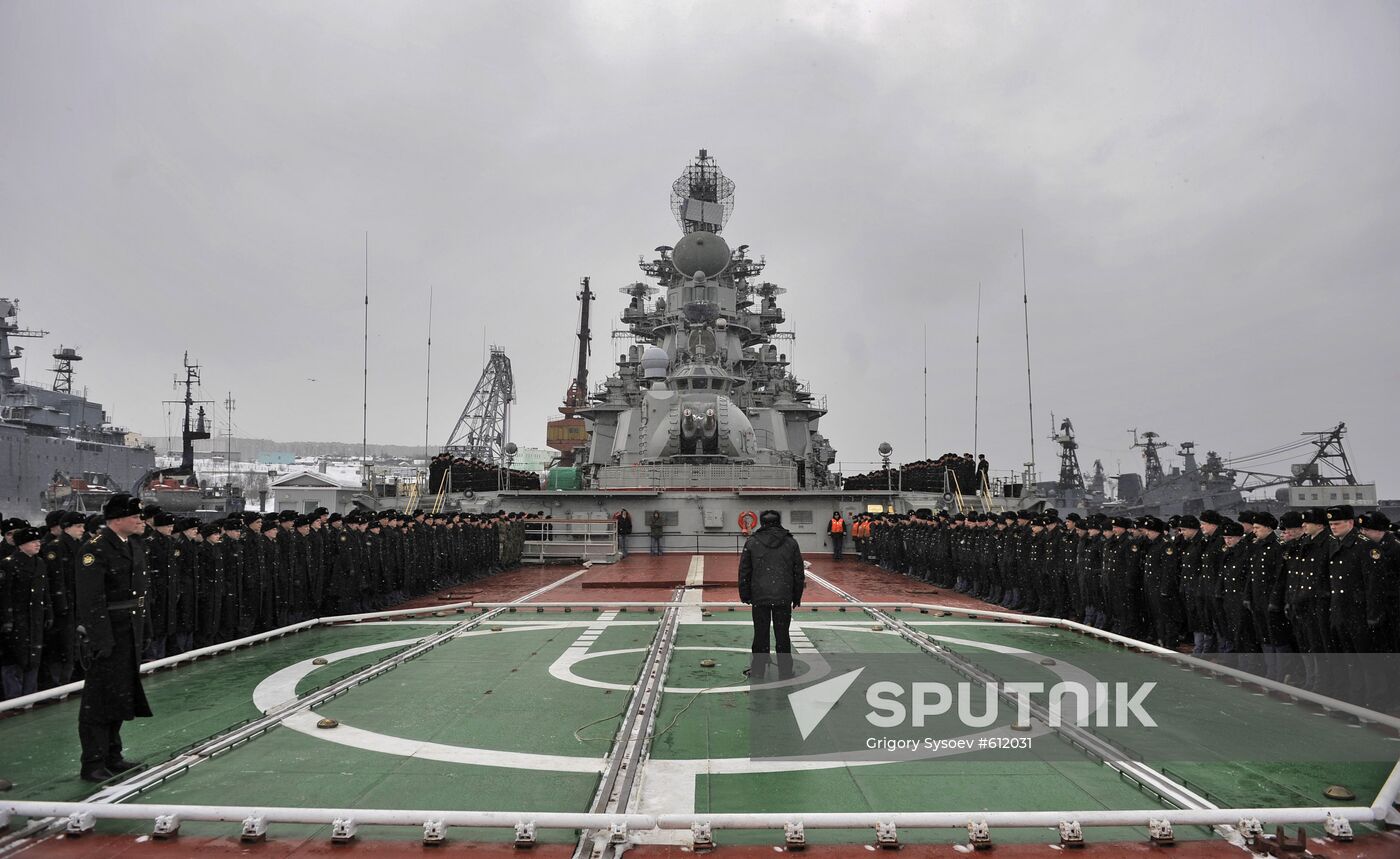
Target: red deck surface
(641, 577)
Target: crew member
(111, 586)
(771, 579)
(837, 529)
(624, 529)
(25, 613)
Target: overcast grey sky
(1210, 194)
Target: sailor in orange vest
(837, 529)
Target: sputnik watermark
(1091, 706)
(914, 704)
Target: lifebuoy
(748, 520)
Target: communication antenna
(926, 391)
(364, 421)
(428, 383)
(1026, 307)
(976, 373)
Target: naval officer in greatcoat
(111, 587)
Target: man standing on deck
(111, 589)
(771, 579)
(25, 613)
(837, 529)
(656, 526)
(624, 529)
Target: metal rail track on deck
(1165, 788)
(632, 744)
(638, 738)
(159, 773)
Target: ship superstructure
(703, 397)
(57, 447)
(1228, 485)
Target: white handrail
(361, 816)
(959, 819)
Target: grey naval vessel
(703, 418)
(57, 447)
(1319, 474)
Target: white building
(304, 491)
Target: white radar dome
(655, 362)
(700, 252)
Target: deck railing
(696, 477)
(550, 540)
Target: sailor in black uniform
(111, 589)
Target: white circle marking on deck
(562, 669)
(280, 687)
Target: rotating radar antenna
(703, 197)
(482, 429)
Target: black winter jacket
(770, 568)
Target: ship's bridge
(703, 377)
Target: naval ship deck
(544, 697)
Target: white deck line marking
(694, 594)
(666, 785)
(695, 576)
(590, 634)
(562, 669)
(552, 623)
(800, 642)
(281, 686)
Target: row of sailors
(1322, 581)
(210, 582)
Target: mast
(228, 437)
(195, 431)
(1071, 477)
(364, 420)
(9, 327)
(585, 338)
(64, 359)
(1026, 307)
(1152, 463)
(428, 382)
(974, 432)
(976, 374)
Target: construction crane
(1328, 465)
(569, 433)
(482, 430)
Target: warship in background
(703, 419)
(178, 489)
(1322, 477)
(57, 449)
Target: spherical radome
(655, 363)
(700, 251)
